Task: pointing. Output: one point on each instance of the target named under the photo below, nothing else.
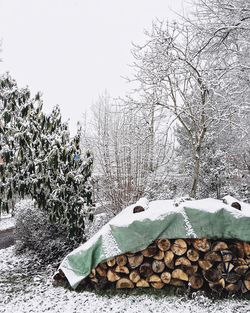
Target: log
(227, 255)
(190, 270)
(239, 261)
(212, 257)
(134, 276)
(160, 255)
(138, 209)
(158, 266)
(232, 277)
(124, 283)
(212, 275)
(141, 205)
(158, 285)
(228, 267)
(121, 260)
(154, 278)
(179, 274)
(196, 281)
(237, 249)
(146, 270)
(219, 246)
(111, 262)
(169, 259)
(165, 277)
(102, 283)
(236, 205)
(241, 269)
(112, 276)
(150, 251)
(135, 260)
(182, 261)
(94, 280)
(247, 284)
(233, 288)
(177, 283)
(243, 288)
(202, 244)
(193, 255)
(205, 264)
(121, 269)
(217, 286)
(246, 248)
(163, 244)
(179, 247)
(142, 283)
(102, 270)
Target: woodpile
(220, 266)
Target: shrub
(34, 232)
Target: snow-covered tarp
(132, 232)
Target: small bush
(99, 220)
(35, 232)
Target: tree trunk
(196, 173)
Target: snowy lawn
(23, 288)
(6, 222)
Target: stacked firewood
(198, 263)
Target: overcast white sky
(72, 50)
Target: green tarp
(129, 232)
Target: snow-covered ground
(26, 289)
(6, 222)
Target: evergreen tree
(40, 159)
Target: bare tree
(187, 81)
(132, 153)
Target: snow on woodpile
(132, 232)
